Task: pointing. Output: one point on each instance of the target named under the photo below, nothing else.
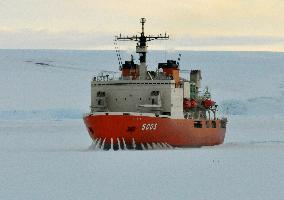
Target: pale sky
(249, 25)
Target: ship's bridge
(161, 97)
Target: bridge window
(207, 123)
(100, 102)
(197, 124)
(223, 124)
(213, 124)
(101, 94)
(155, 93)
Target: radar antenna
(141, 47)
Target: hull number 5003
(149, 127)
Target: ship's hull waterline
(134, 131)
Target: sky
(242, 25)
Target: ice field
(44, 146)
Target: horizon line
(193, 50)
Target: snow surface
(44, 147)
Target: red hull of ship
(145, 129)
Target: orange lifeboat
(188, 104)
(208, 103)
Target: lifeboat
(208, 103)
(189, 104)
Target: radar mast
(141, 47)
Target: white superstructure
(161, 97)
